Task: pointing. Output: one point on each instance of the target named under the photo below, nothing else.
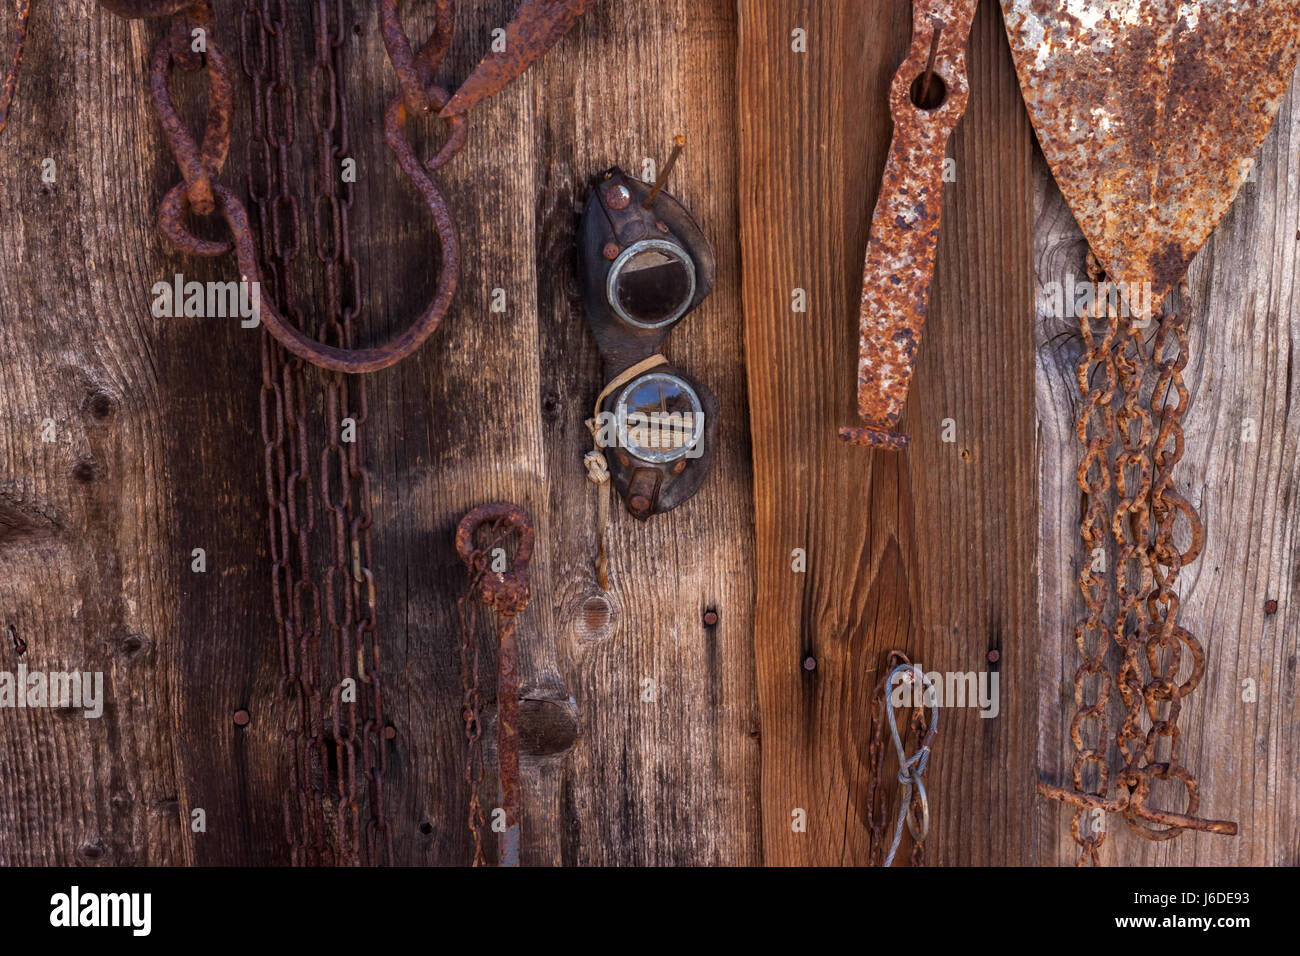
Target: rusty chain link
(538, 26)
(1164, 639)
(201, 194)
(1144, 627)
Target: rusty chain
(506, 594)
(199, 192)
(329, 742)
(1131, 521)
(1144, 627)
(1164, 639)
(1095, 430)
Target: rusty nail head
(618, 197)
(1270, 606)
(241, 718)
(995, 655)
(661, 225)
(640, 503)
(390, 732)
(610, 251)
(710, 618)
(810, 663)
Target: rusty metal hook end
(876, 437)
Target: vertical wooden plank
(88, 553)
(1240, 472)
(930, 551)
(494, 408)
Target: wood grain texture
(930, 551)
(1244, 329)
(491, 408)
(91, 559)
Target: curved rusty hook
(200, 165)
(415, 71)
(538, 26)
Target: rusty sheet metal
(1149, 112)
(905, 226)
(536, 28)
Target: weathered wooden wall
(159, 452)
(939, 551)
(930, 551)
(1241, 472)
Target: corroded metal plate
(1149, 113)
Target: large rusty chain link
(1141, 620)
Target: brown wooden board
(96, 529)
(930, 551)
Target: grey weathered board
(1245, 345)
(158, 452)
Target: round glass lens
(660, 418)
(652, 283)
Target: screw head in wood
(1270, 606)
(710, 618)
(242, 718)
(618, 197)
(810, 663)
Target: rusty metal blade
(1149, 113)
(536, 28)
(904, 234)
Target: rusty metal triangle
(1149, 113)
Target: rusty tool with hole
(926, 100)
